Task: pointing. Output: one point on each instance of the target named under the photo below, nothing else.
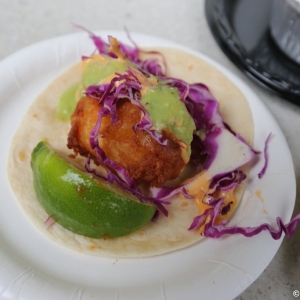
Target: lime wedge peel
(81, 204)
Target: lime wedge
(80, 203)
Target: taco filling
(124, 138)
(147, 136)
(142, 122)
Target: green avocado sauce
(67, 102)
(169, 113)
(97, 70)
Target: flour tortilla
(167, 234)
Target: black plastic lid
(241, 28)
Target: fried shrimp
(145, 160)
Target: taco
(227, 119)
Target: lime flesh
(81, 204)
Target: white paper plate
(33, 267)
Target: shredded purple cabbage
(216, 231)
(200, 220)
(204, 110)
(228, 181)
(49, 222)
(148, 66)
(266, 157)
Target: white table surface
(23, 22)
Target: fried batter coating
(143, 157)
